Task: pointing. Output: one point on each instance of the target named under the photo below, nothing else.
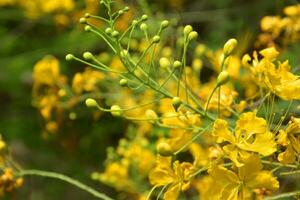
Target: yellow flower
(177, 178)
(290, 139)
(238, 184)
(251, 135)
(46, 71)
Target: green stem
(284, 195)
(65, 179)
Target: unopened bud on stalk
(82, 20)
(124, 53)
(164, 24)
(87, 28)
(229, 46)
(164, 149)
(144, 17)
(156, 39)
(108, 30)
(134, 22)
(124, 82)
(187, 29)
(144, 27)
(89, 102)
(87, 15)
(116, 111)
(126, 9)
(223, 78)
(164, 62)
(69, 57)
(88, 56)
(176, 102)
(121, 12)
(192, 36)
(115, 34)
(177, 64)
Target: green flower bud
(126, 9)
(192, 36)
(87, 15)
(229, 46)
(144, 17)
(108, 30)
(223, 78)
(164, 24)
(143, 27)
(115, 34)
(176, 102)
(82, 20)
(121, 12)
(124, 82)
(89, 102)
(87, 28)
(134, 22)
(116, 111)
(177, 64)
(164, 149)
(69, 57)
(88, 56)
(156, 39)
(187, 29)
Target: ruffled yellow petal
(221, 131)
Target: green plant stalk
(65, 179)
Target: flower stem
(65, 179)
(284, 195)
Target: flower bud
(144, 27)
(89, 102)
(123, 82)
(87, 15)
(69, 57)
(124, 53)
(144, 17)
(108, 30)
(164, 149)
(156, 39)
(115, 34)
(88, 56)
(134, 22)
(187, 29)
(177, 64)
(82, 20)
(116, 111)
(223, 78)
(121, 12)
(164, 24)
(176, 102)
(87, 28)
(229, 46)
(164, 62)
(192, 36)
(126, 9)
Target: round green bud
(187, 29)
(156, 39)
(144, 27)
(229, 46)
(87, 56)
(164, 149)
(116, 111)
(82, 20)
(121, 12)
(144, 17)
(126, 9)
(192, 36)
(124, 82)
(177, 64)
(176, 102)
(89, 102)
(164, 62)
(87, 15)
(134, 22)
(72, 116)
(108, 30)
(69, 57)
(164, 24)
(87, 28)
(124, 53)
(115, 34)
(223, 78)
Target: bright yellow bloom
(238, 184)
(251, 135)
(290, 139)
(177, 178)
(46, 71)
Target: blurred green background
(80, 147)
